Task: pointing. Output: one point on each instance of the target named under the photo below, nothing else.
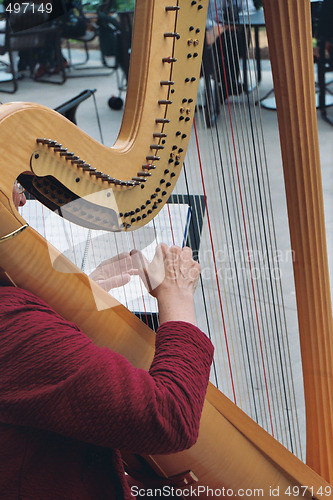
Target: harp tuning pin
(162, 120)
(172, 7)
(159, 134)
(41, 140)
(144, 174)
(148, 166)
(164, 101)
(152, 157)
(172, 35)
(63, 151)
(141, 179)
(169, 59)
(156, 146)
(166, 82)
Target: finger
(114, 281)
(186, 256)
(139, 261)
(187, 251)
(117, 258)
(161, 252)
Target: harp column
(290, 44)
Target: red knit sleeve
(54, 378)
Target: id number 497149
(23, 7)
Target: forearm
(176, 307)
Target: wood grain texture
(290, 45)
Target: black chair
(69, 108)
(27, 29)
(89, 22)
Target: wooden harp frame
(232, 451)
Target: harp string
(226, 65)
(273, 320)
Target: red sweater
(67, 406)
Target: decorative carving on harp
(124, 187)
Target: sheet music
(87, 248)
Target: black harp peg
(171, 8)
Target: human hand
(114, 272)
(171, 277)
(172, 269)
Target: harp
(232, 452)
